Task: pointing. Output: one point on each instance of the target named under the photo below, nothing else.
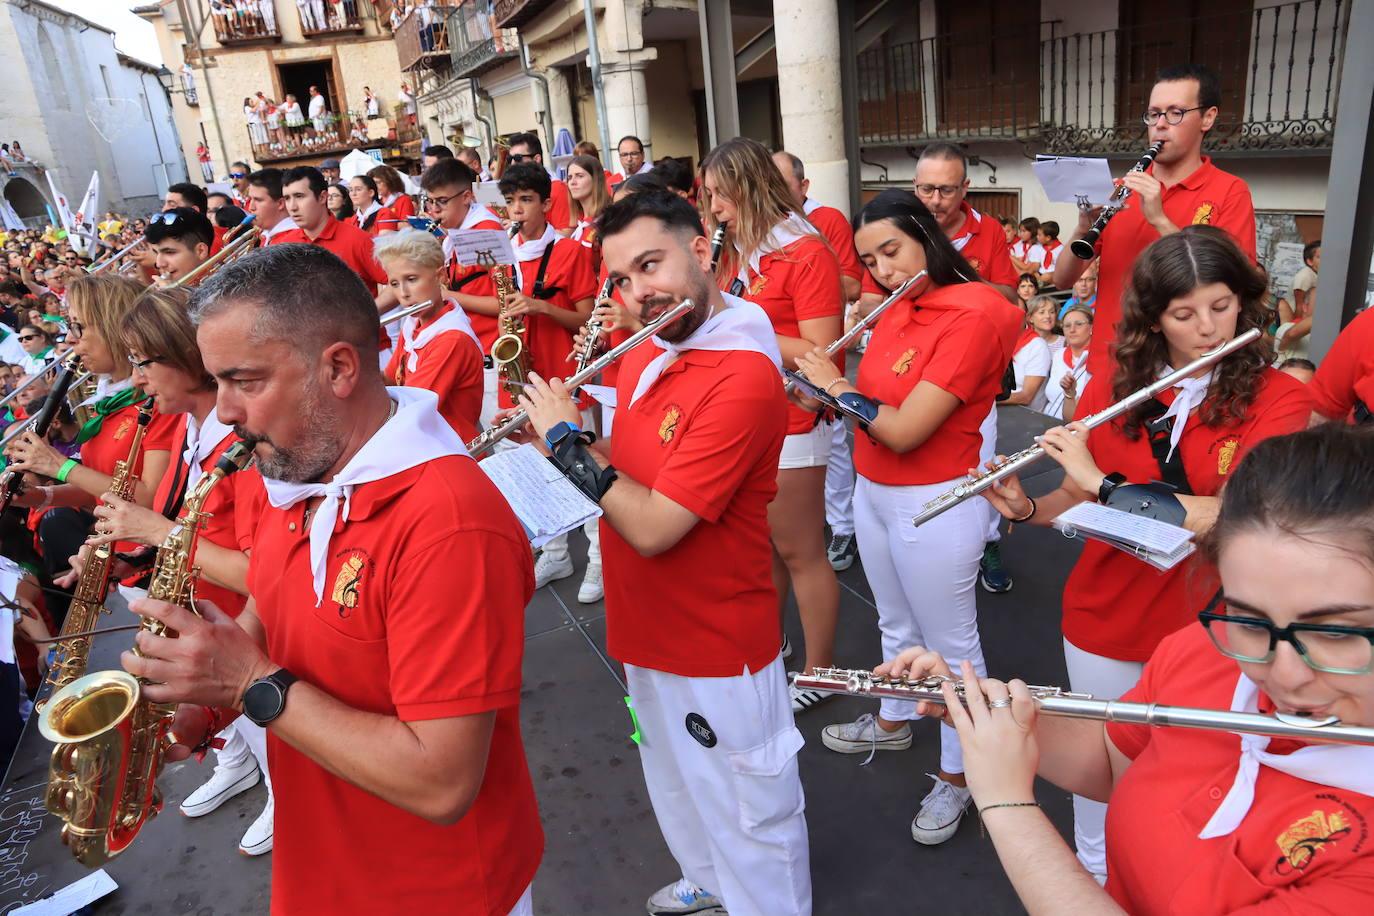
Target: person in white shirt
(319, 111)
(1030, 362)
(1026, 253)
(1042, 317)
(1069, 366)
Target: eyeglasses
(142, 364)
(1075, 325)
(944, 190)
(520, 157)
(1332, 649)
(437, 203)
(1172, 115)
(75, 328)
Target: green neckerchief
(103, 408)
(53, 319)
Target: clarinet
(1085, 249)
(13, 483)
(1055, 701)
(717, 243)
(592, 332)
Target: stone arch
(28, 202)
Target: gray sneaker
(864, 735)
(681, 898)
(940, 814)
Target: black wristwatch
(265, 698)
(1109, 483)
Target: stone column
(623, 58)
(808, 49)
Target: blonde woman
(777, 260)
(1069, 368)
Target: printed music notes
(469, 245)
(1158, 543)
(1074, 180)
(545, 501)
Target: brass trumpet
(232, 251)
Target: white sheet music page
(545, 501)
(469, 242)
(1152, 535)
(1069, 179)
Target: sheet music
(1074, 179)
(488, 194)
(1158, 543)
(468, 243)
(602, 394)
(545, 501)
(71, 898)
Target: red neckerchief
(1027, 335)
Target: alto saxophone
(73, 651)
(508, 351)
(102, 779)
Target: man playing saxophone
(387, 676)
(690, 603)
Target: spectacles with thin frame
(1172, 115)
(1323, 647)
(142, 364)
(944, 190)
(437, 203)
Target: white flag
(9, 218)
(83, 223)
(64, 210)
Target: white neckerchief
(104, 388)
(970, 228)
(201, 441)
(1349, 767)
(362, 215)
(476, 214)
(455, 319)
(392, 199)
(1191, 393)
(417, 433)
(286, 224)
(740, 326)
(811, 205)
(531, 251)
(581, 229)
(790, 229)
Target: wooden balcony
(241, 26)
(422, 38)
(512, 14)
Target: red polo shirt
(350, 244)
(450, 365)
(1302, 848)
(402, 206)
(952, 338)
(835, 227)
(1208, 196)
(799, 283)
(1346, 374)
(1120, 607)
(560, 213)
(707, 435)
(984, 247)
(384, 220)
(571, 277)
(111, 445)
(405, 631)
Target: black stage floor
(604, 853)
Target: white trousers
(1106, 679)
(557, 548)
(242, 738)
(731, 812)
(923, 583)
(986, 453)
(525, 905)
(839, 481)
(491, 380)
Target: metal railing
(1279, 68)
(477, 44)
(422, 36)
(293, 143)
(239, 22)
(510, 14)
(328, 17)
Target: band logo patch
(668, 428)
(976, 263)
(903, 364)
(347, 583)
(700, 730)
(1307, 836)
(1202, 216)
(757, 286)
(126, 425)
(1226, 455)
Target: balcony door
(989, 65)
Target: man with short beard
(691, 608)
(387, 676)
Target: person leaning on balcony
(1181, 188)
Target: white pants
(525, 905)
(839, 481)
(243, 738)
(987, 452)
(731, 813)
(491, 381)
(923, 583)
(1106, 679)
(557, 548)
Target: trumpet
(234, 250)
(717, 243)
(866, 322)
(1055, 701)
(488, 439)
(975, 485)
(1085, 249)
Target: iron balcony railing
(272, 145)
(511, 14)
(1279, 68)
(422, 36)
(332, 17)
(240, 22)
(477, 43)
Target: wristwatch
(1109, 483)
(265, 698)
(562, 430)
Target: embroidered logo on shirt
(668, 428)
(346, 583)
(125, 425)
(903, 364)
(1307, 836)
(976, 263)
(1202, 216)
(700, 730)
(1226, 455)
(757, 286)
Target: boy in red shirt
(526, 148)
(690, 605)
(387, 676)
(1344, 384)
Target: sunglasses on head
(166, 218)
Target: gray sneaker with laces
(864, 735)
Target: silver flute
(406, 311)
(972, 486)
(488, 439)
(1055, 701)
(866, 322)
(110, 261)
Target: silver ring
(1000, 704)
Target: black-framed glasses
(75, 328)
(944, 190)
(25, 338)
(438, 203)
(143, 364)
(520, 157)
(1331, 649)
(1172, 115)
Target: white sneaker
(257, 839)
(547, 569)
(864, 735)
(682, 897)
(591, 590)
(940, 814)
(223, 784)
